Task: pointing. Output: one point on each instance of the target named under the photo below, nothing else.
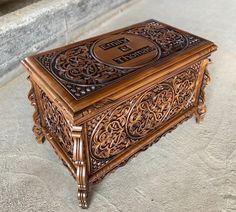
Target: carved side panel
(116, 129)
(56, 123)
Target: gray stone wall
(45, 24)
(4, 1)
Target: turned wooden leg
(37, 128)
(81, 167)
(201, 108)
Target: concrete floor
(191, 169)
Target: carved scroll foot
(40, 138)
(82, 196)
(201, 108)
(82, 181)
(37, 129)
(81, 167)
(200, 114)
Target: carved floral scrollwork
(56, 123)
(184, 84)
(117, 129)
(110, 130)
(76, 65)
(168, 39)
(80, 73)
(149, 110)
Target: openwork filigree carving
(80, 73)
(56, 124)
(117, 129)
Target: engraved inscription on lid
(125, 51)
(90, 65)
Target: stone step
(46, 24)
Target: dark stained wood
(102, 100)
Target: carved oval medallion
(109, 136)
(149, 111)
(126, 51)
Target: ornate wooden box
(102, 100)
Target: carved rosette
(116, 129)
(37, 128)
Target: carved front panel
(117, 129)
(56, 123)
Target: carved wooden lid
(86, 69)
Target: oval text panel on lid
(125, 51)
